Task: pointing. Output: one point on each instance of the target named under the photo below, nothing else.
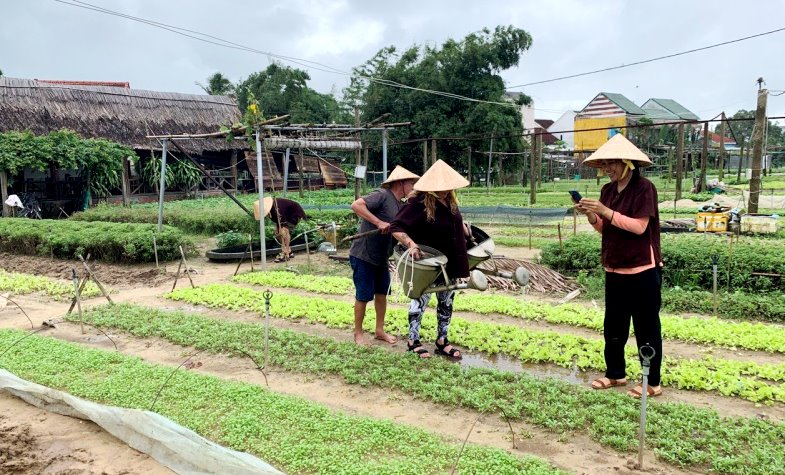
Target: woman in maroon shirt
(431, 218)
(628, 218)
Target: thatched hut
(116, 112)
(120, 114)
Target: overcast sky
(45, 39)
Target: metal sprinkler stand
(646, 353)
(267, 296)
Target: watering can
(482, 248)
(418, 277)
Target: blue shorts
(369, 279)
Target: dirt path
(144, 285)
(33, 440)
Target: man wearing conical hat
(369, 256)
(431, 218)
(628, 218)
(285, 214)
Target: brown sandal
(600, 383)
(637, 391)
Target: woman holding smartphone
(628, 218)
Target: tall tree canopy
(283, 90)
(468, 68)
(742, 130)
(217, 85)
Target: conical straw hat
(398, 174)
(268, 205)
(440, 177)
(618, 148)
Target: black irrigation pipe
(20, 308)
(260, 368)
(29, 334)
(170, 377)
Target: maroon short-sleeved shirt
(445, 233)
(623, 249)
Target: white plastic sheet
(172, 445)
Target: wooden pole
(433, 151)
(95, 279)
(185, 263)
(701, 186)
(721, 164)
(233, 165)
(679, 161)
(4, 192)
(75, 279)
(358, 155)
(302, 166)
(365, 164)
(558, 229)
(757, 150)
(125, 185)
(424, 156)
(470, 167)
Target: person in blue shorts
(369, 255)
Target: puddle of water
(504, 363)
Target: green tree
(282, 90)
(217, 85)
(742, 130)
(470, 68)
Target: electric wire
(650, 60)
(199, 36)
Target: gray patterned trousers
(443, 314)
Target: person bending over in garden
(285, 214)
(369, 256)
(431, 218)
(628, 218)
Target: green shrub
(736, 305)
(231, 238)
(110, 242)
(688, 261)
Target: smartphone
(576, 197)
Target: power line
(199, 36)
(650, 60)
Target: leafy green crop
(751, 336)
(747, 380)
(25, 283)
(679, 433)
(295, 434)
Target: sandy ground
(40, 441)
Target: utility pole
(679, 160)
(722, 147)
(701, 186)
(358, 156)
(757, 149)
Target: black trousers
(637, 296)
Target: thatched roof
(123, 115)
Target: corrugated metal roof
(676, 108)
(626, 104)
